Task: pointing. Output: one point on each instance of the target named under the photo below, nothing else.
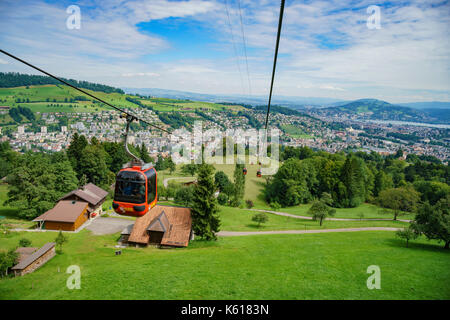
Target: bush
(260, 218)
(184, 196)
(249, 203)
(24, 243)
(222, 199)
(275, 206)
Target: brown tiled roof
(90, 193)
(177, 232)
(33, 257)
(64, 211)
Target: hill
(373, 109)
(14, 79)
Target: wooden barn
(163, 226)
(67, 215)
(91, 194)
(32, 258)
(74, 209)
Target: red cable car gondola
(136, 185)
(244, 171)
(258, 173)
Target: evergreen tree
(92, 164)
(205, 221)
(144, 154)
(239, 185)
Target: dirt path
(329, 219)
(253, 233)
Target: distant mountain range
(373, 109)
(293, 102)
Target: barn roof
(89, 193)
(25, 252)
(33, 257)
(64, 211)
(177, 227)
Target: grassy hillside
(380, 110)
(313, 266)
(39, 99)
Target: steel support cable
(280, 22)
(245, 48)
(234, 46)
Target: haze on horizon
(326, 48)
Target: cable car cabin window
(130, 187)
(151, 185)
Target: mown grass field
(168, 105)
(369, 211)
(295, 131)
(57, 94)
(313, 266)
(235, 219)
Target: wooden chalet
(74, 209)
(67, 215)
(164, 226)
(91, 194)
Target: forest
(353, 178)
(15, 79)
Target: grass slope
(314, 266)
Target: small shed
(30, 260)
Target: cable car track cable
(234, 47)
(280, 22)
(245, 48)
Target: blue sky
(326, 48)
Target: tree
(60, 240)
(171, 165)
(260, 218)
(320, 210)
(24, 243)
(434, 221)
(92, 164)
(249, 203)
(189, 169)
(222, 199)
(144, 154)
(38, 181)
(353, 193)
(399, 200)
(184, 196)
(221, 180)
(75, 149)
(7, 260)
(205, 221)
(239, 185)
(407, 234)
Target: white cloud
(325, 50)
(140, 74)
(3, 61)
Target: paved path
(166, 180)
(108, 225)
(97, 226)
(253, 233)
(328, 219)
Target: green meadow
(308, 266)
